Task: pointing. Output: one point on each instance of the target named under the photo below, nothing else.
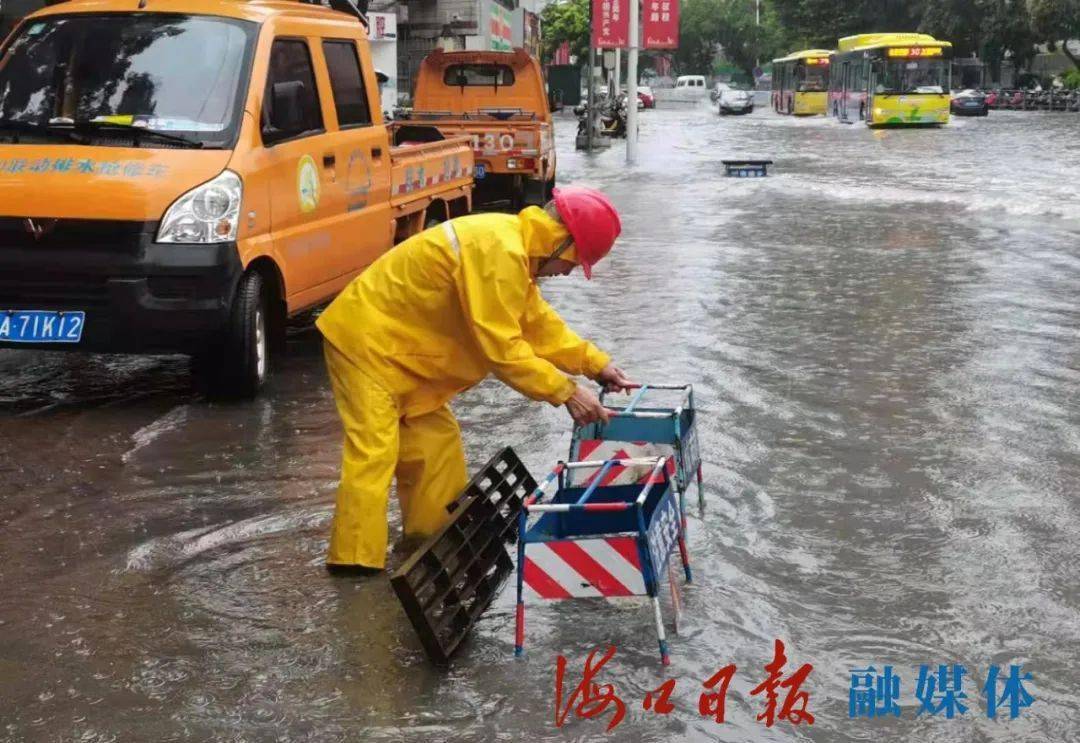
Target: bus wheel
(238, 365)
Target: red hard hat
(592, 220)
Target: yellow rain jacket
(429, 319)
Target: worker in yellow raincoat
(431, 318)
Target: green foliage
(565, 21)
(708, 25)
(819, 23)
(1057, 20)
(1072, 79)
(989, 28)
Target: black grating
(49, 289)
(448, 583)
(36, 233)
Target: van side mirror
(283, 112)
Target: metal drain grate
(447, 584)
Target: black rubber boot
(354, 571)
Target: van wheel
(238, 366)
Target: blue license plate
(41, 326)
(481, 171)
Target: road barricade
(601, 541)
(646, 428)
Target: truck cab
(498, 100)
(182, 177)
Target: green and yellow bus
(897, 79)
(800, 83)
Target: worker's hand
(615, 380)
(584, 407)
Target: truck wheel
(518, 193)
(238, 366)
(538, 192)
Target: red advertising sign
(660, 24)
(610, 23)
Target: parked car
(734, 101)
(496, 99)
(969, 103)
(198, 206)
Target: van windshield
(178, 74)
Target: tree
(989, 28)
(699, 31)
(565, 21)
(706, 25)
(1005, 27)
(1057, 20)
(819, 23)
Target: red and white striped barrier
(584, 568)
(603, 449)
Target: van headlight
(209, 213)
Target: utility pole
(631, 84)
(618, 70)
(590, 99)
(757, 36)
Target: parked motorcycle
(609, 120)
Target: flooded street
(884, 337)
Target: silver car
(736, 102)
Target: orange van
(184, 175)
(498, 100)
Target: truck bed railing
(483, 114)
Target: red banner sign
(660, 24)
(610, 23)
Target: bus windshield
(815, 79)
(169, 73)
(908, 76)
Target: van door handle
(328, 160)
(376, 152)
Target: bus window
(813, 78)
(911, 76)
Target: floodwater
(884, 336)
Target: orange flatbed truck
(499, 101)
(182, 176)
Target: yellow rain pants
(427, 320)
(423, 451)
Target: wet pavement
(884, 338)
